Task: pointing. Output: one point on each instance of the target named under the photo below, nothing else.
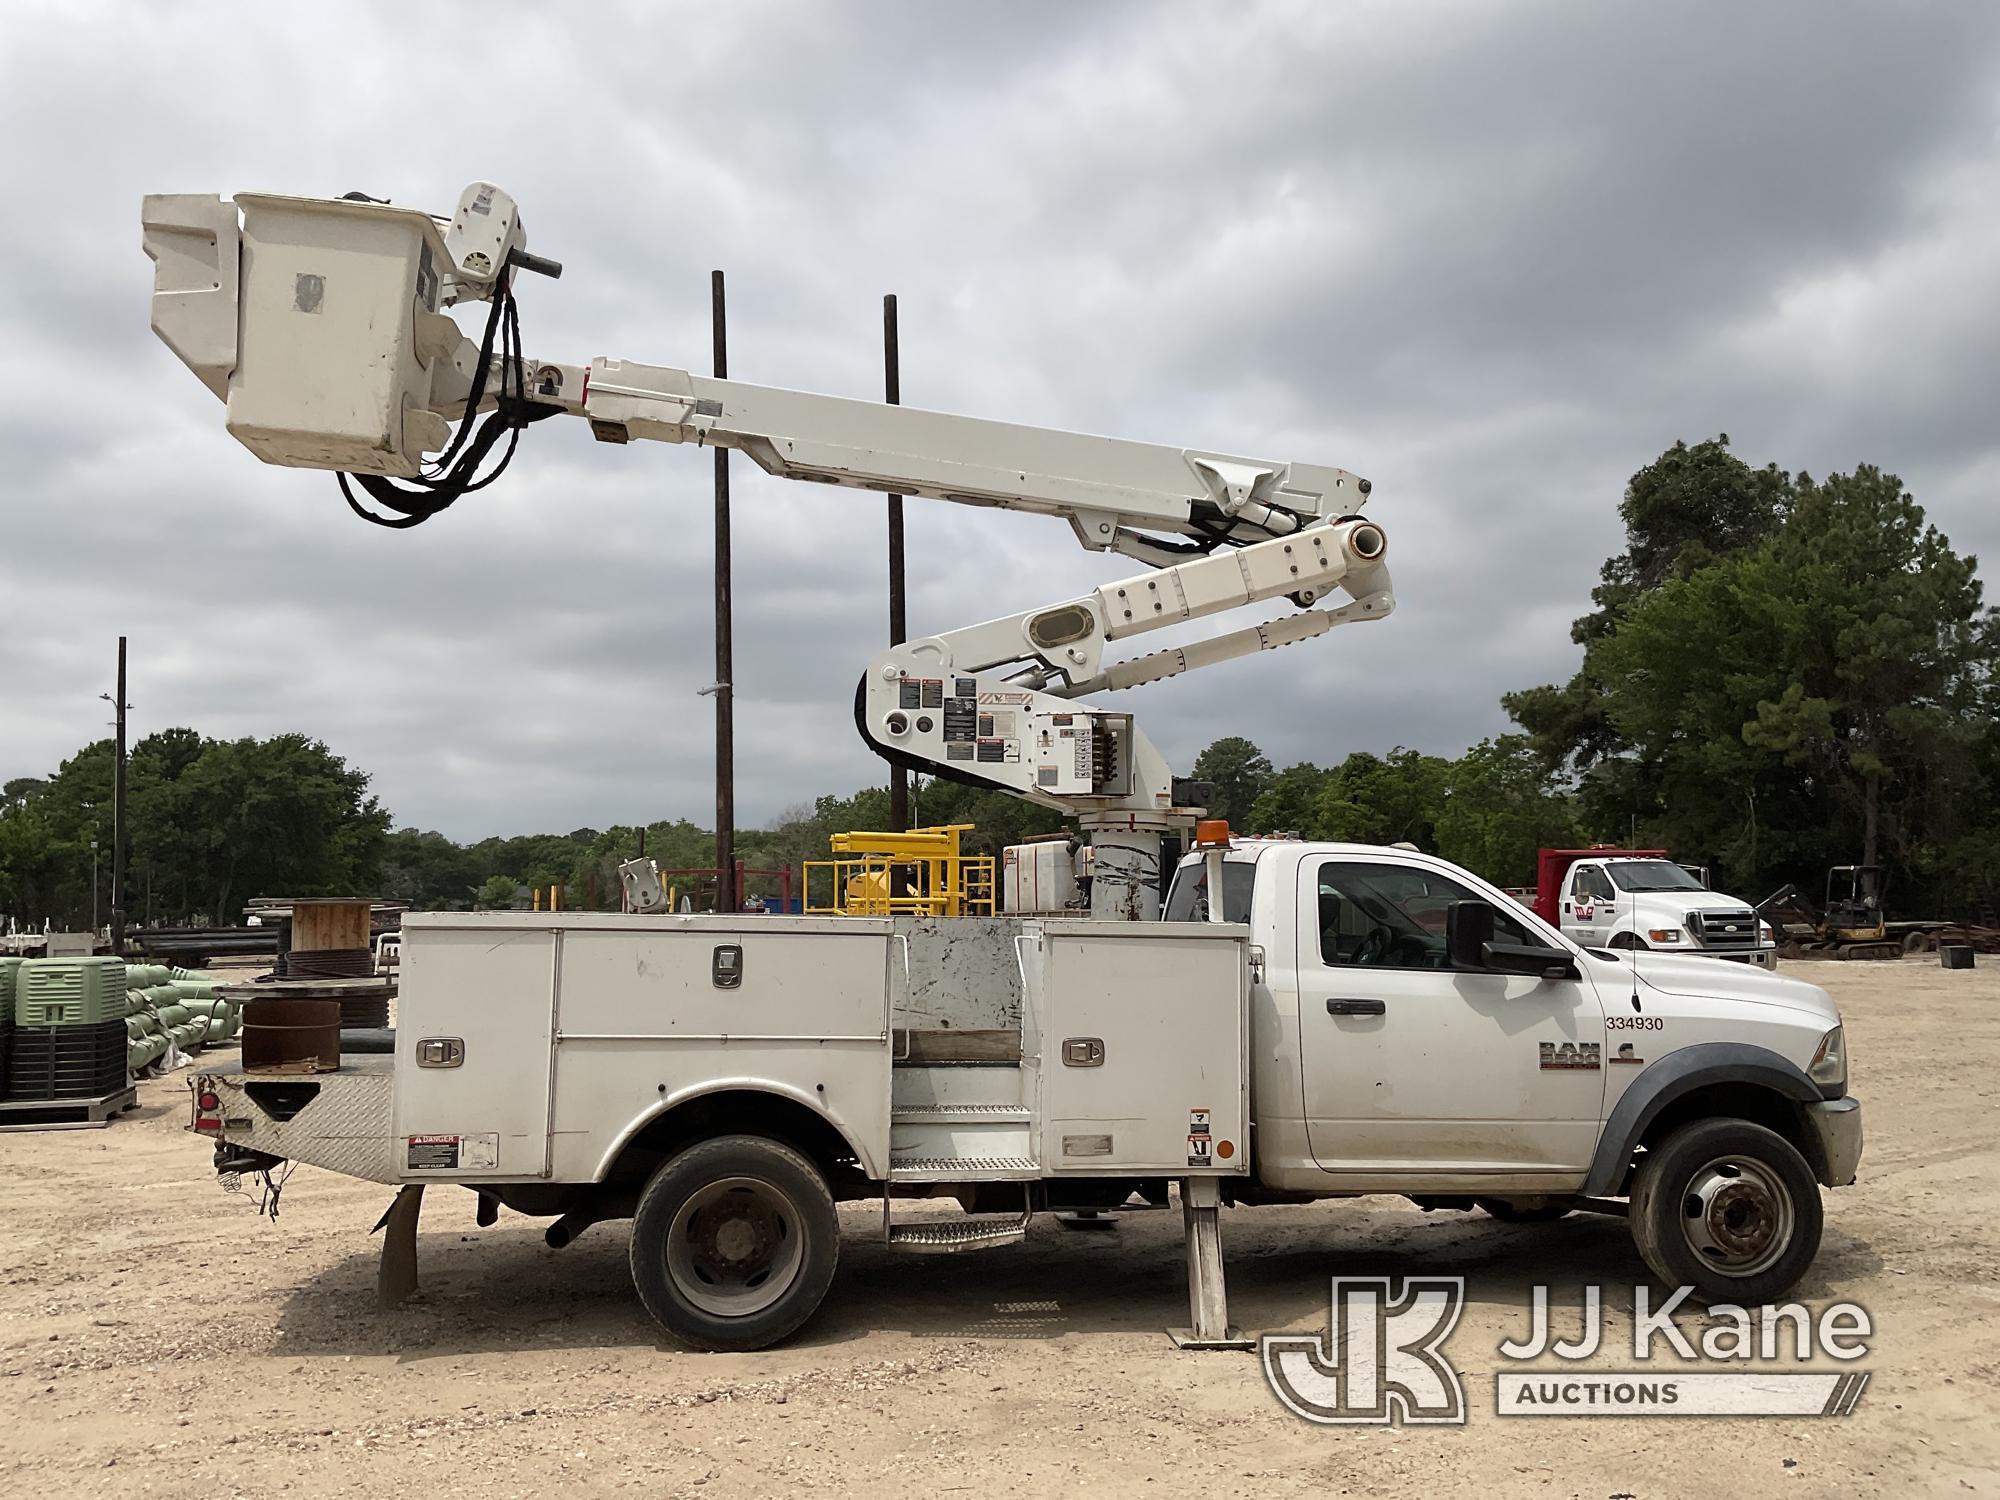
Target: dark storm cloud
(1492, 257)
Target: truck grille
(1724, 929)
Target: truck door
(1582, 910)
(1412, 1067)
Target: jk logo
(1381, 1358)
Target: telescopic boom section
(322, 325)
(1106, 488)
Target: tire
(1760, 1227)
(1510, 1213)
(734, 1243)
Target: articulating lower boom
(321, 324)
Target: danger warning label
(452, 1153)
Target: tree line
(1778, 674)
(211, 823)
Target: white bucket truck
(1344, 1020)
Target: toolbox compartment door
(487, 989)
(1143, 1048)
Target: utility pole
(892, 393)
(93, 889)
(118, 838)
(725, 708)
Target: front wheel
(1728, 1208)
(734, 1243)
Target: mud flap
(397, 1277)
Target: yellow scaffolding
(919, 873)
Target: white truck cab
(1656, 905)
(1523, 1071)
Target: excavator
(1849, 925)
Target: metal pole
(725, 709)
(892, 393)
(93, 888)
(118, 819)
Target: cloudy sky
(1493, 257)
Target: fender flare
(1674, 1077)
(740, 1084)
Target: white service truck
(1650, 903)
(1359, 1020)
(1343, 1020)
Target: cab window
(1188, 900)
(1393, 916)
(1593, 885)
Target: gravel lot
(157, 1337)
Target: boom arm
(320, 323)
(1110, 490)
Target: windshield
(1188, 900)
(1651, 875)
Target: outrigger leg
(1208, 1297)
(397, 1277)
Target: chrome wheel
(1737, 1215)
(735, 1246)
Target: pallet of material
(65, 1114)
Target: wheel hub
(735, 1240)
(1737, 1215)
(733, 1249)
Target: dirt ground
(158, 1338)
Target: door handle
(1355, 1008)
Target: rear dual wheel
(734, 1243)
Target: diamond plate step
(950, 1236)
(961, 1168)
(947, 1146)
(917, 1087)
(958, 1114)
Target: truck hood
(1720, 979)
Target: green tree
(1290, 803)
(283, 816)
(1806, 695)
(21, 790)
(1692, 505)
(1499, 809)
(210, 823)
(496, 893)
(1239, 773)
(1685, 509)
(427, 870)
(1373, 799)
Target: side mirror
(1468, 930)
(1525, 958)
(1468, 941)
